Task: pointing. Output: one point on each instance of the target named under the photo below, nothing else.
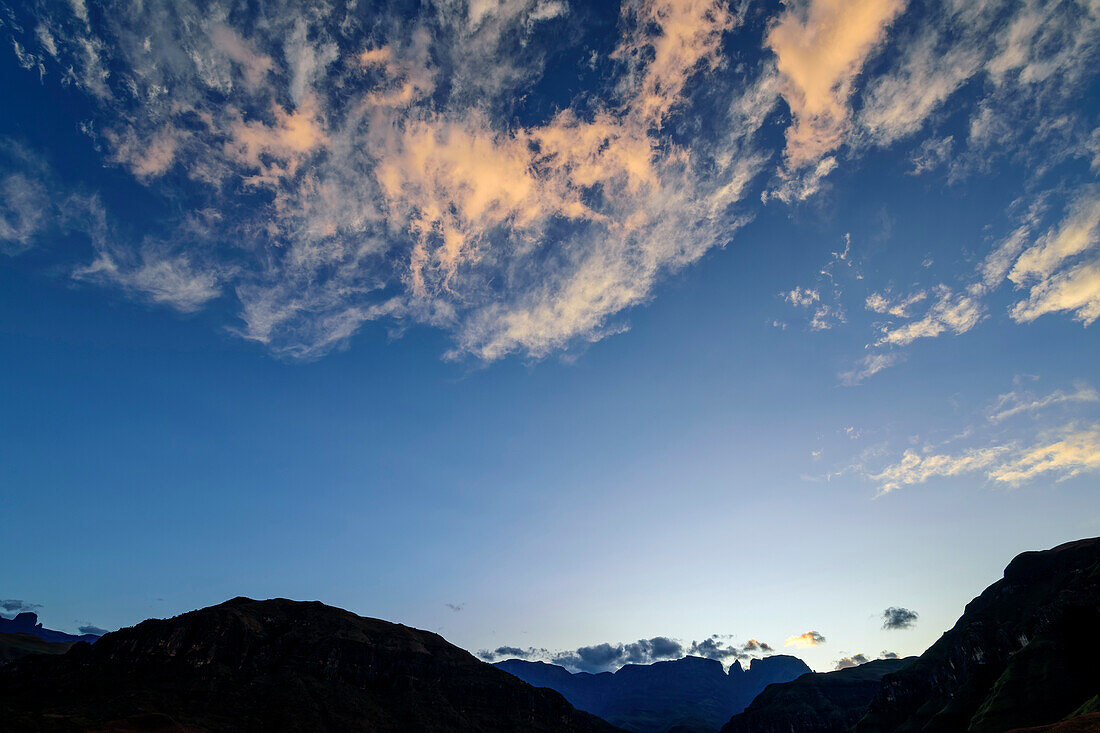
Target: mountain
(829, 702)
(1026, 652)
(17, 646)
(27, 623)
(275, 665)
(692, 693)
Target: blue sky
(544, 326)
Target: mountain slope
(1024, 653)
(693, 693)
(17, 646)
(830, 702)
(276, 665)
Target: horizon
(595, 332)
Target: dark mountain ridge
(1024, 653)
(693, 693)
(275, 665)
(828, 702)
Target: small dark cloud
(512, 653)
(889, 655)
(506, 652)
(853, 661)
(456, 607)
(13, 605)
(714, 648)
(752, 645)
(898, 618)
(89, 629)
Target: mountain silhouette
(27, 623)
(275, 665)
(816, 702)
(692, 693)
(1026, 652)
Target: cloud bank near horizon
(608, 656)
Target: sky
(583, 332)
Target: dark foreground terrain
(1025, 655)
(1026, 652)
(250, 665)
(816, 703)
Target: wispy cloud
(367, 168)
(1014, 403)
(1063, 453)
(868, 366)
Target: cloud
(89, 629)
(611, 656)
(365, 165)
(888, 655)
(869, 366)
(1015, 403)
(506, 652)
(456, 607)
(898, 618)
(1073, 453)
(820, 47)
(24, 208)
(853, 661)
(13, 605)
(950, 313)
(897, 307)
(802, 298)
(1065, 453)
(753, 645)
(808, 639)
(600, 657)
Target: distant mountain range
(1026, 652)
(690, 694)
(27, 623)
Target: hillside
(275, 665)
(829, 702)
(1024, 653)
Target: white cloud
(375, 167)
(869, 366)
(24, 207)
(1016, 403)
(1064, 453)
(802, 297)
(820, 48)
(951, 312)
